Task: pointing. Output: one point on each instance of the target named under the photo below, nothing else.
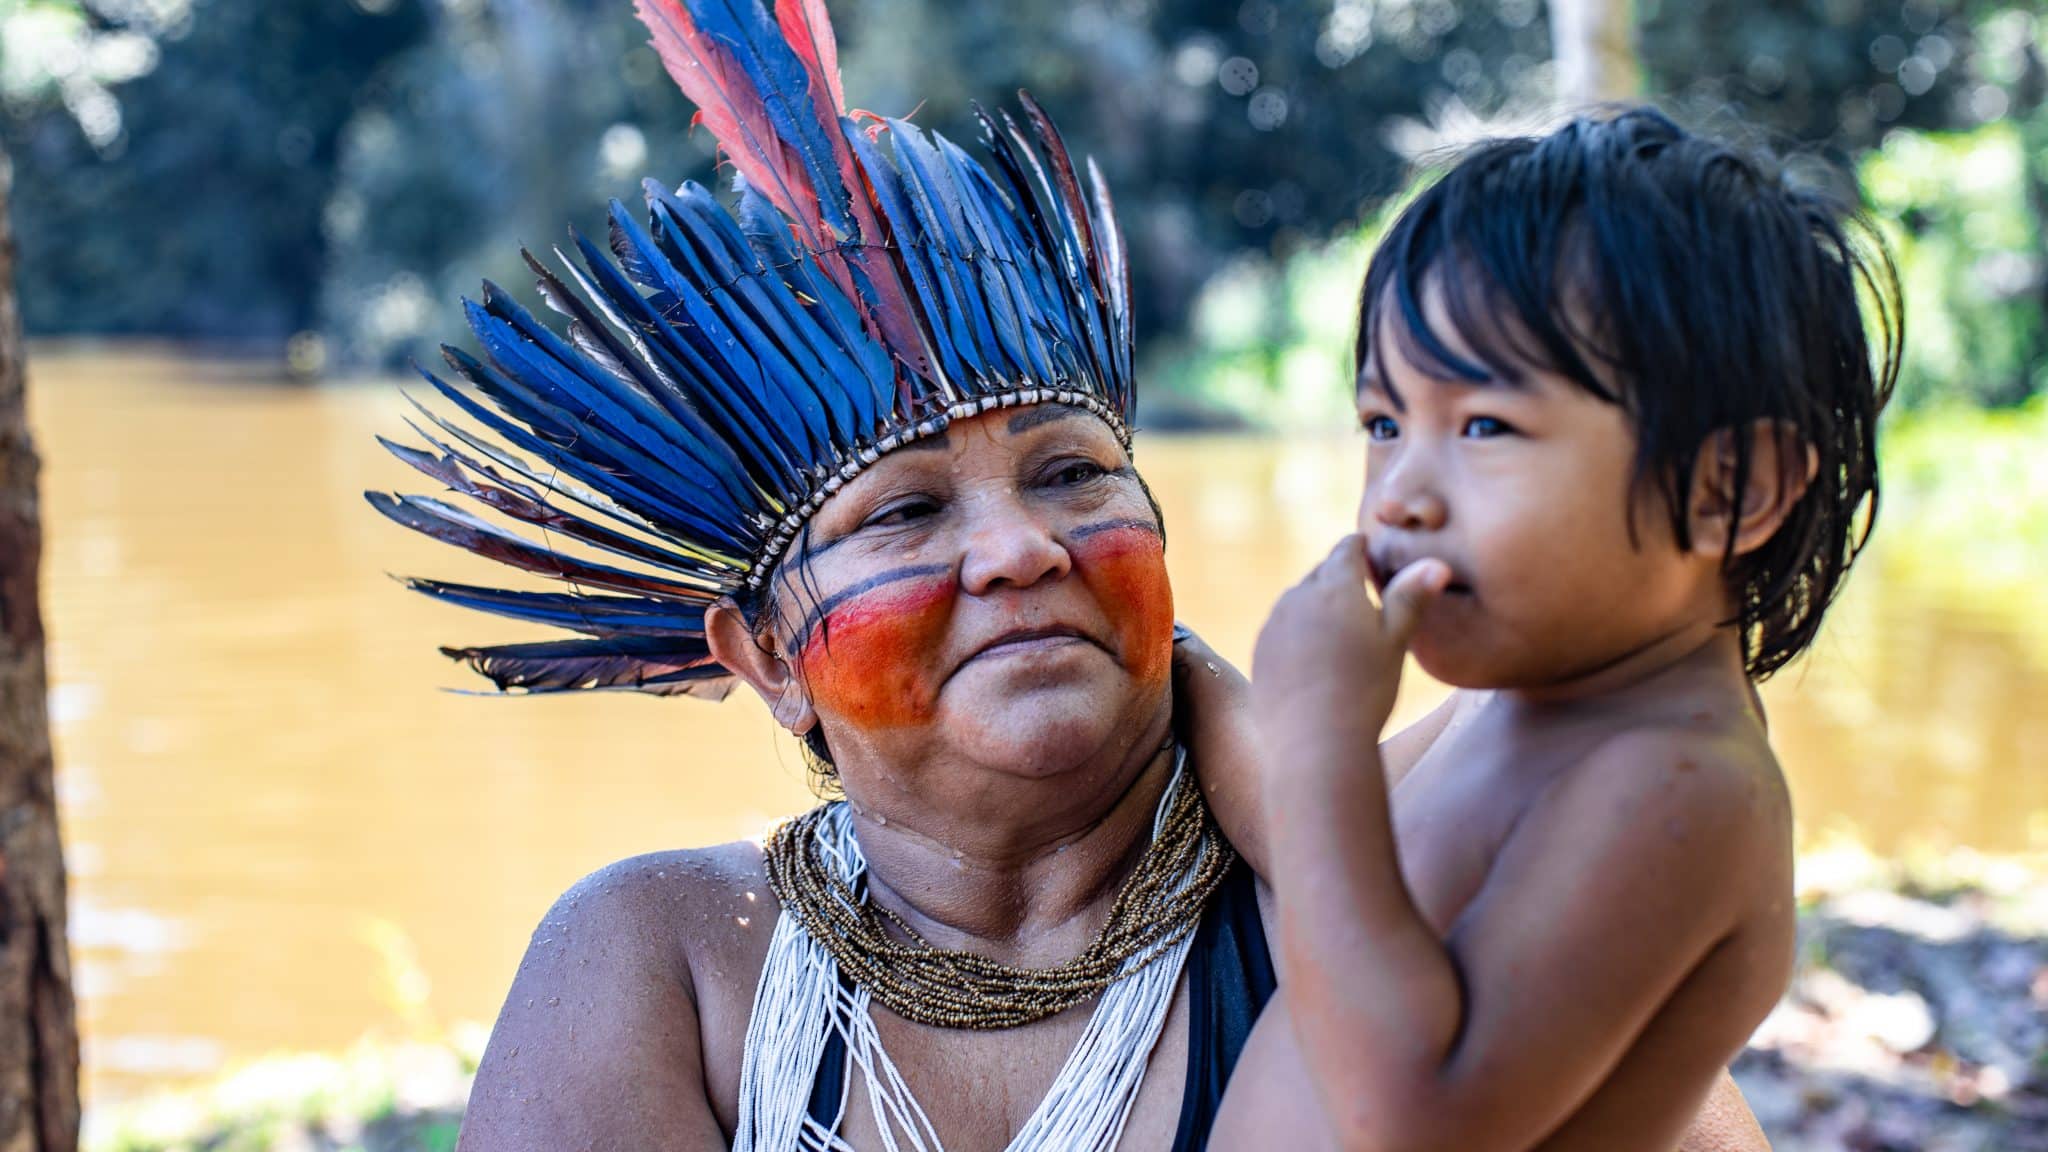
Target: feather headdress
(723, 371)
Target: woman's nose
(1007, 546)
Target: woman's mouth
(1029, 641)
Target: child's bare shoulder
(1707, 793)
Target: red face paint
(1125, 567)
(869, 660)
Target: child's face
(1526, 491)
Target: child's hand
(1328, 660)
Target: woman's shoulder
(640, 973)
(689, 906)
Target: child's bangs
(1515, 307)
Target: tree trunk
(38, 1034)
(1593, 43)
(2031, 115)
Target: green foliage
(192, 205)
(251, 171)
(382, 1097)
(1969, 488)
(1270, 342)
(348, 167)
(1968, 250)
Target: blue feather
(611, 480)
(747, 31)
(818, 366)
(522, 503)
(911, 248)
(590, 615)
(689, 235)
(652, 400)
(730, 372)
(961, 304)
(741, 423)
(452, 525)
(553, 483)
(663, 665)
(549, 363)
(542, 387)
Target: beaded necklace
(1134, 964)
(951, 988)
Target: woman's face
(995, 595)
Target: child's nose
(1412, 510)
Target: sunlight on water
(283, 835)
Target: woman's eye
(1481, 427)
(1075, 472)
(1380, 427)
(901, 512)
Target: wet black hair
(755, 605)
(1693, 284)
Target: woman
(866, 442)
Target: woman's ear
(1782, 465)
(754, 659)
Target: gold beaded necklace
(951, 988)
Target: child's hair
(1693, 285)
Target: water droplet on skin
(515, 1050)
(661, 875)
(529, 1001)
(881, 819)
(554, 1001)
(742, 921)
(751, 898)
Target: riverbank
(1918, 1022)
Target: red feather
(808, 28)
(733, 110)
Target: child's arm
(1725, 1123)
(1213, 714)
(1598, 906)
(1212, 704)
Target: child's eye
(1481, 427)
(1380, 427)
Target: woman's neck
(1032, 889)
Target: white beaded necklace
(800, 998)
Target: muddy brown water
(285, 835)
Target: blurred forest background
(281, 839)
(324, 178)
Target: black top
(1230, 978)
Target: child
(1621, 408)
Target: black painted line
(892, 576)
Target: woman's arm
(598, 1045)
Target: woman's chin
(1045, 733)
